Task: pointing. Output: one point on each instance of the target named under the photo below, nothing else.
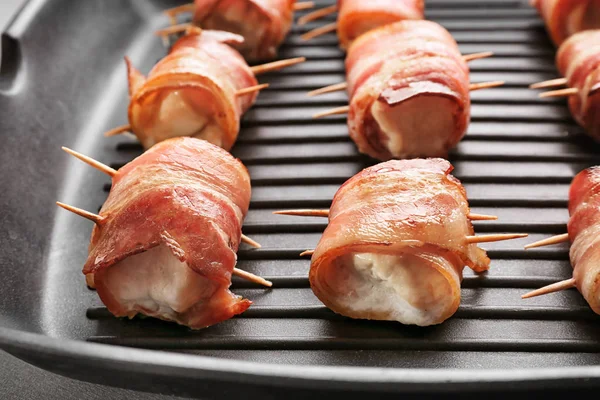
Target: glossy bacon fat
(356, 17)
(172, 226)
(584, 234)
(395, 245)
(192, 91)
(264, 24)
(409, 91)
(564, 18)
(578, 59)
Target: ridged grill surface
(516, 162)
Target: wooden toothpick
(251, 89)
(303, 5)
(481, 217)
(317, 14)
(118, 130)
(304, 213)
(97, 219)
(251, 277)
(275, 65)
(494, 237)
(555, 287)
(559, 93)
(90, 161)
(549, 83)
(333, 111)
(549, 241)
(251, 242)
(477, 56)
(319, 31)
(328, 89)
(485, 85)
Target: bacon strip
(192, 91)
(191, 197)
(564, 18)
(584, 229)
(356, 17)
(399, 207)
(264, 24)
(409, 69)
(578, 59)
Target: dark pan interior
(63, 82)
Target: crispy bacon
(564, 18)
(578, 59)
(409, 91)
(192, 91)
(264, 24)
(172, 226)
(584, 230)
(395, 248)
(356, 17)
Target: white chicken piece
(417, 126)
(408, 288)
(183, 112)
(156, 283)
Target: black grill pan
(63, 82)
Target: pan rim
(375, 379)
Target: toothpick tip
(252, 89)
(251, 277)
(312, 16)
(481, 217)
(485, 85)
(477, 56)
(250, 242)
(118, 130)
(276, 65)
(319, 31)
(548, 241)
(303, 213)
(328, 89)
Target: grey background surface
(19, 380)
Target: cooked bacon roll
(584, 234)
(409, 91)
(166, 247)
(264, 24)
(356, 17)
(564, 18)
(395, 245)
(192, 91)
(578, 59)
